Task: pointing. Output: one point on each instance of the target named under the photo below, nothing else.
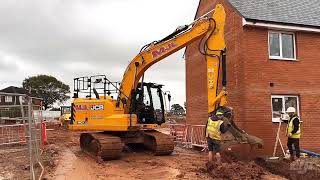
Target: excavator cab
(147, 103)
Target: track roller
(101, 146)
(158, 143)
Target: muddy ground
(68, 162)
(303, 168)
(63, 159)
(14, 163)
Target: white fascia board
(278, 26)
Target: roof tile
(299, 12)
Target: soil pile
(303, 168)
(236, 170)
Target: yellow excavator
(133, 117)
(65, 116)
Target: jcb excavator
(133, 116)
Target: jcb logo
(159, 52)
(97, 107)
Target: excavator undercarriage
(108, 146)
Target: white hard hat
(291, 110)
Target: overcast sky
(70, 38)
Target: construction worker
(293, 132)
(215, 126)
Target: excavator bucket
(236, 135)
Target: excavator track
(158, 143)
(101, 146)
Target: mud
(65, 160)
(14, 163)
(236, 170)
(303, 168)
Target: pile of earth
(236, 170)
(303, 168)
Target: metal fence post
(21, 98)
(32, 175)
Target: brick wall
(289, 77)
(249, 74)
(196, 66)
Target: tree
(177, 109)
(48, 88)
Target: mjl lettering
(163, 49)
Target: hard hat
(291, 110)
(219, 113)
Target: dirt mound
(236, 170)
(50, 154)
(308, 168)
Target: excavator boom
(209, 28)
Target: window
(280, 103)
(8, 99)
(146, 98)
(282, 45)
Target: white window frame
(283, 105)
(280, 38)
(8, 99)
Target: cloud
(74, 38)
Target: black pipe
(224, 68)
(176, 32)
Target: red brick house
(273, 62)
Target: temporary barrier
(189, 135)
(178, 131)
(20, 137)
(198, 137)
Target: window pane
(291, 102)
(287, 46)
(146, 98)
(276, 107)
(157, 103)
(8, 99)
(274, 44)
